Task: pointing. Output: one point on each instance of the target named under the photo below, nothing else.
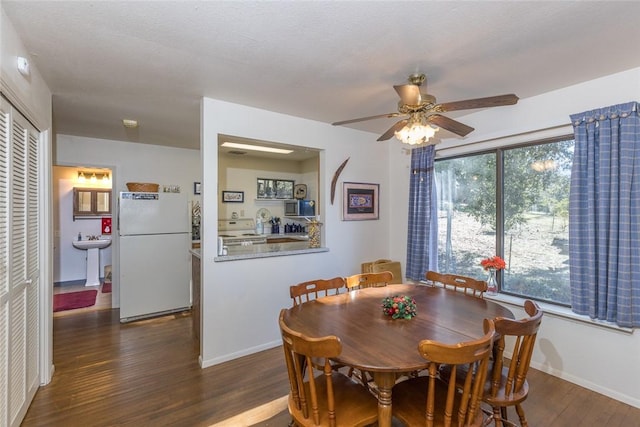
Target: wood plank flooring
(146, 374)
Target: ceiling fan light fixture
(415, 133)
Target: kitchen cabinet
(91, 202)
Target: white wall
(241, 299)
(29, 94)
(130, 162)
(597, 358)
(69, 263)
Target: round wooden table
(384, 346)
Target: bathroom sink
(93, 258)
(91, 244)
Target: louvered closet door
(19, 265)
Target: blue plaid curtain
(604, 215)
(422, 238)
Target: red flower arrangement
(399, 307)
(494, 262)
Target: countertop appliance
(300, 208)
(154, 230)
(241, 231)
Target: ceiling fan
(421, 109)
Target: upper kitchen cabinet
(91, 202)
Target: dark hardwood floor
(146, 374)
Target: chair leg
(523, 420)
(505, 416)
(499, 417)
(360, 376)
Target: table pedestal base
(385, 381)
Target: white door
(19, 264)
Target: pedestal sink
(93, 258)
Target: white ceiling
(322, 60)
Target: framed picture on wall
(233, 196)
(266, 188)
(360, 201)
(275, 188)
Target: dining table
(385, 347)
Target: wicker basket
(142, 187)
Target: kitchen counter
(265, 250)
(286, 238)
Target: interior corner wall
(250, 293)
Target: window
(524, 220)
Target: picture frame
(196, 188)
(233, 196)
(360, 201)
(269, 188)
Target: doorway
(70, 263)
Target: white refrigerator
(154, 230)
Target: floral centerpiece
(399, 307)
(492, 264)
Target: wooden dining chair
(307, 291)
(468, 285)
(434, 401)
(368, 280)
(324, 397)
(507, 384)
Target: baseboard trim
(245, 352)
(624, 398)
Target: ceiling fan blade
(362, 119)
(467, 104)
(392, 130)
(409, 94)
(450, 124)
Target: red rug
(106, 287)
(73, 300)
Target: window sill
(558, 311)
